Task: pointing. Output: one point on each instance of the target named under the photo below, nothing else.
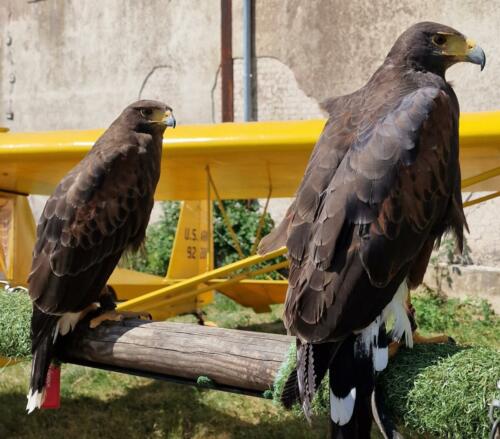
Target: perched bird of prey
(380, 189)
(99, 210)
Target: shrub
(243, 215)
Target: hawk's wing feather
(390, 190)
(325, 158)
(97, 210)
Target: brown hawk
(99, 210)
(381, 187)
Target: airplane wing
(246, 160)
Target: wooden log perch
(234, 360)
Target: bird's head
(434, 47)
(149, 116)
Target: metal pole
(227, 61)
(247, 60)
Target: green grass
(98, 404)
(15, 315)
(469, 321)
(443, 390)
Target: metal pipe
(227, 61)
(466, 182)
(247, 60)
(144, 301)
(482, 199)
(215, 286)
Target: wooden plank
(240, 361)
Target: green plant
(467, 321)
(442, 391)
(154, 256)
(446, 260)
(243, 215)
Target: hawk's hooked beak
(458, 48)
(475, 54)
(169, 119)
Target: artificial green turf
(15, 315)
(438, 390)
(442, 390)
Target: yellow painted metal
(4, 361)
(480, 148)
(479, 178)
(17, 238)
(482, 199)
(191, 255)
(129, 283)
(244, 158)
(192, 252)
(256, 294)
(169, 305)
(191, 249)
(149, 300)
(245, 161)
(182, 296)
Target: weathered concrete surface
(471, 281)
(76, 63)
(484, 236)
(277, 94)
(333, 46)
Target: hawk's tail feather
(290, 394)
(302, 383)
(359, 426)
(44, 326)
(352, 381)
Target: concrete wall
(77, 63)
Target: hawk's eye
(146, 112)
(439, 39)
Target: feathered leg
(351, 384)
(417, 338)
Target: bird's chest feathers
(149, 156)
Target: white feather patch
(35, 400)
(341, 408)
(368, 338)
(380, 358)
(397, 310)
(67, 323)
(367, 342)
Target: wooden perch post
(238, 361)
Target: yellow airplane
(201, 163)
